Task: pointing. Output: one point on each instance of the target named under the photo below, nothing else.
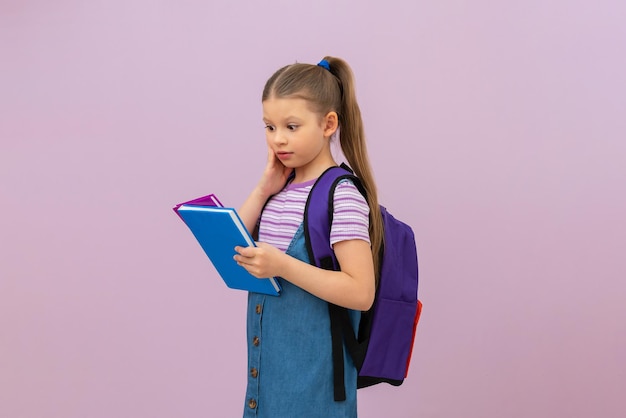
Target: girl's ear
(330, 124)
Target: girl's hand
(261, 261)
(272, 181)
(275, 175)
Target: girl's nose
(280, 137)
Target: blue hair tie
(324, 64)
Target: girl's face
(298, 137)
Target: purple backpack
(382, 348)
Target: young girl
(290, 372)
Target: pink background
(496, 129)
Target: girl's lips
(283, 155)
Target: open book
(219, 230)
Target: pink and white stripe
(285, 211)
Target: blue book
(219, 230)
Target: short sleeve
(350, 214)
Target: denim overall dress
(290, 368)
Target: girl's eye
(269, 128)
(292, 127)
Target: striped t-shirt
(284, 213)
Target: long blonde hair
(329, 90)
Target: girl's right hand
(274, 176)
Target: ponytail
(354, 148)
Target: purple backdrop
(496, 129)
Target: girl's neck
(304, 174)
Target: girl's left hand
(262, 261)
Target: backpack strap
(318, 217)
